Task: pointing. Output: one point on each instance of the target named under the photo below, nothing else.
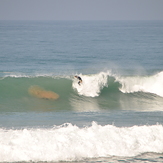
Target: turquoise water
(114, 115)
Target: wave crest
(151, 84)
(93, 84)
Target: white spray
(91, 85)
(151, 84)
(70, 143)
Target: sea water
(114, 115)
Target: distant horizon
(81, 10)
(78, 20)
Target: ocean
(114, 115)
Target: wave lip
(151, 84)
(70, 143)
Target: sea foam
(69, 142)
(152, 84)
(92, 84)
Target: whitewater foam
(92, 84)
(69, 142)
(150, 84)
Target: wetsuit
(79, 78)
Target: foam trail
(91, 85)
(151, 84)
(69, 143)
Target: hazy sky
(81, 9)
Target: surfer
(79, 78)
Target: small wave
(70, 143)
(21, 75)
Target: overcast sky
(81, 9)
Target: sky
(81, 9)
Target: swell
(19, 86)
(32, 93)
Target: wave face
(98, 91)
(70, 143)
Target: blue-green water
(116, 114)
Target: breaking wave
(101, 90)
(151, 84)
(93, 84)
(70, 143)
